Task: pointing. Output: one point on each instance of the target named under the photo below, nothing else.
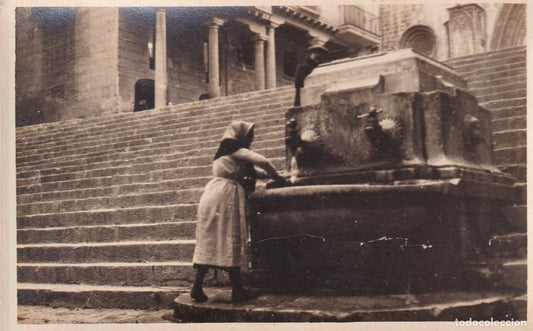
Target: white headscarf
(238, 130)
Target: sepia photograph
(347, 162)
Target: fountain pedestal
(394, 187)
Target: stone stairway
(498, 80)
(106, 206)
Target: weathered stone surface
(131, 251)
(149, 149)
(192, 112)
(373, 233)
(404, 71)
(108, 233)
(112, 201)
(428, 197)
(335, 307)
(108, 273)
(516, 217)
(85, 296)
(146, 214)
(103, 186)
(510, 138)
(508, 245)
(172, 273)
(59, 315)
(346, 125)
(168, 137)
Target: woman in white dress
(221, 229)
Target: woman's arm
(246, 155)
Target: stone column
(259, 62)
(317, 42)
(214, 74)
(160, 93)
(271, 57)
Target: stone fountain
(393, 190)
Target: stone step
(493, 89)
(515, 275)
(131, 200)
(487, 55)
(108, 233)
(330, 306)
(510, 155)
(504, 103)
(510, 138)
(194, 154)
(188, 153)
(247, 110)
(509, 123)
(521, 189)
(147, 214)
(172, 150)
(506, 112)
(154, 136)
(157, 131)
(154, 168)
(43, 315)
(79, 180)
(489, 77)
(191, 153)
(172, 139)
(102, 186)
(40, 193)
(501, 274)
(102, 296)
(193, 108)
(167, 173)
(489, 62)
(502, 94)
(160, 136)
(518, 171)
(516, 76)
(115, 273)
(489, 73)
(124, 251)
(513, 245)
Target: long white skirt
(221, 229)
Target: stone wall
(396, 19)
(28, 69)
(96, 68)
(66, 63)
(133, 58)
(503, 26)
(46, 57)
(186, 73)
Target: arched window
(420, 38)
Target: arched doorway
(144, 94)
(510, 27)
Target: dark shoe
(198, 294)
(242, 294)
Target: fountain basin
(376, 237)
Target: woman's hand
(277, 182)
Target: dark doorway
(144, 94)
